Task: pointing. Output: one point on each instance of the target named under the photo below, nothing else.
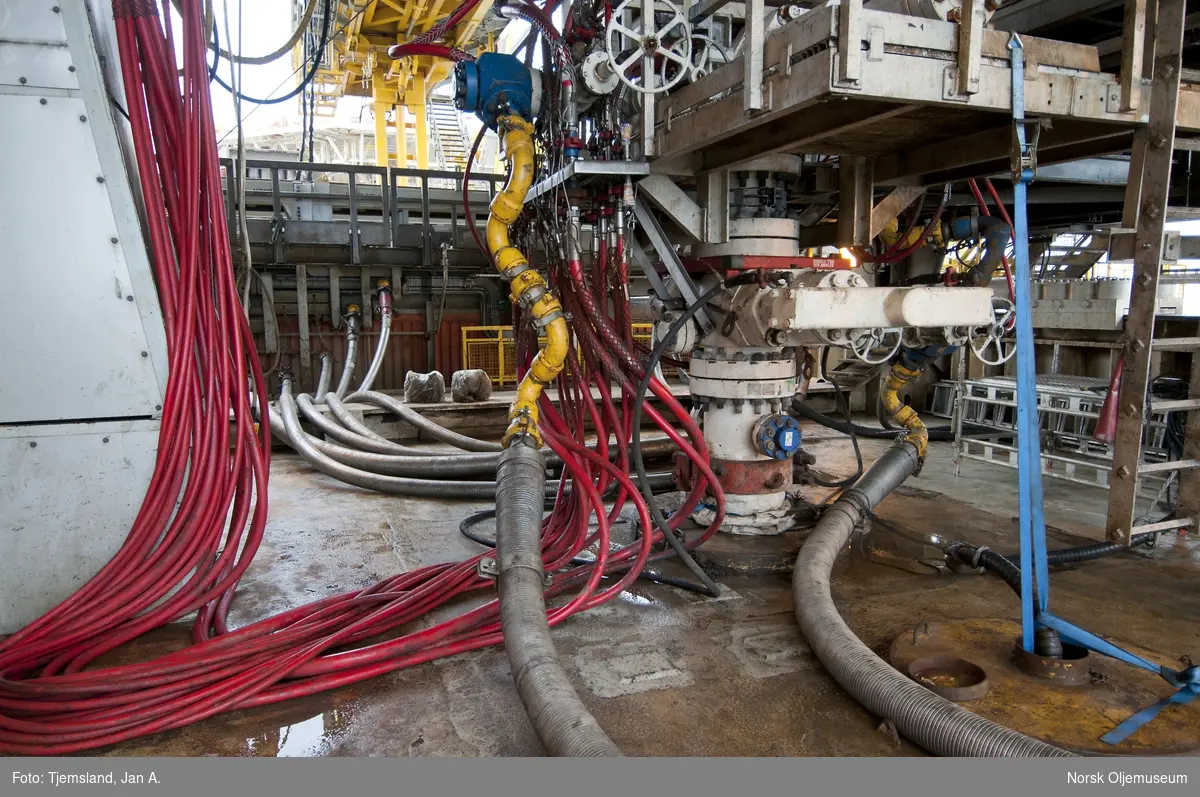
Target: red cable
(983, 209)
(205, 508)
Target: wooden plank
(1133, 45)
(1139, 326)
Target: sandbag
(472, 384)
(424, 388)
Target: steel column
(849, 64)
(302, 321)
(752, 92)
(381, 125)
(401, 126)
(420, 121)
(855, 193)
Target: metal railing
(352, 206)
(494, 350)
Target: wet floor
(664, 671)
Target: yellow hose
(527, 287)
(900, 412)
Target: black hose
(326, 36)
(937, 433)
(1098, 550)
(995, 233)
(844, 406)
(465, 528)
(931, 721)
(1008, 569)
(639, 400)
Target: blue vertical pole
(1034, 569)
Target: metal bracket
(1023, 164)
(678, 206)
(489, 568)
(1025, 140)
(848, 68)
(648, 271)
(670, 258)
(950, 90)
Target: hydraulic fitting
(494, 85)
(528, 288)
(777, 436)
(383, 297)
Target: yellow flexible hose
(527, 287)
(900, 412)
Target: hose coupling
(545, 321)
(517, 270)
(522, 430)
(529, 296)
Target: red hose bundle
(205, 510)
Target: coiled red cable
(205, 509)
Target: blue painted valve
(777, 436)
(494, 85)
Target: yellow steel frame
(360, 68)
(493, 350)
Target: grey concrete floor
(665, 672)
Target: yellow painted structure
(359, 67)
(494, 351)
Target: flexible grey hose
(933, 722)
(347, 419)
(462, 465)
(396, 485)
(376, 444)
(385, 474)
(385, 332)
(352, 322)
(331, 428)
(560, 719)
(418, 420)
(323, 379)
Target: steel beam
(270, 322)
(678, 206)
(987, 152)
(856, 186)
(892, 206)
(302, 322)
(712, 192)
(651, 274)
(752, 89)
(1139, 326)
(1029, 16)
(802, 129)
(335, 297)
(670, 258)
(849, 41)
